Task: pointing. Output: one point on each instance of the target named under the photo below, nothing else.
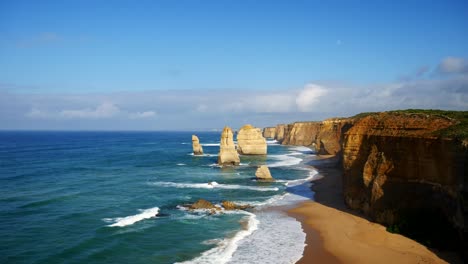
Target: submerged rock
(263, 173)
(197, 148)
(202, 204)
(228, 205)
(250, 141)
(227, 150)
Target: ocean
(116, 197)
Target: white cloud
(453, 65)
(202, 108)
(309, 96)
(36, 113)
(104, 110)
(139, 115)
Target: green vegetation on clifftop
(458, 131)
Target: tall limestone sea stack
(197, 148)
(250, 141)
(227, 150)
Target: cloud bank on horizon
(445, 86)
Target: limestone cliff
(250, 141)
(325, 137)
(227, 150)
(269, 132)
(396, 169)
(197, 148)
(406, 169)
(301, 133)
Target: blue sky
(66, 64)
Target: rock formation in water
(197, 148)
(228, 205)
(269, 132)
(202, 204)
(250, 141)
(405, 169)
(227, 150)
(263, 174)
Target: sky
(201, 65)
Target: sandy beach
(336, 234)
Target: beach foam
(278, 239)
(224, 250)
(272, 142)
(213, 185)
(130, 220)
(284, 160)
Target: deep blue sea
(115, 197)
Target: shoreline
(336, 234)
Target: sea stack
(197, 148)
(263, 173)
(250, 141)
(227, 150)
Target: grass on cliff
(458, 131)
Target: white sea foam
(301, 149)
(312, 176)
(213, 185)
(181, 164)
(259, 204)
(272, 142)
(210, 145)
(284, 160)
(130, 220)
(203, 155)
(224, 250)
(279, 238)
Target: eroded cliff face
(395, 170)
(269, 132)
(301, 133)
(325, 137)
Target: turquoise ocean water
(115, 197)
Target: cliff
(325, 137)
(405, 169)
(197, 148)
(250, 141)
(227, 150)
(269, 132)
(398, 170)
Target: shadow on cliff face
(403, 189)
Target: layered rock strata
(398, 169)
(227, 150)
(397, 172)
(250, 141)
(197, 148)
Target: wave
(210, 144)
(223, 252)
(203, 155)
(130, 220)
(181, 164)
(272, 142)
(257, 204)
(285, 160)
(290, 183)
(213, 185)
